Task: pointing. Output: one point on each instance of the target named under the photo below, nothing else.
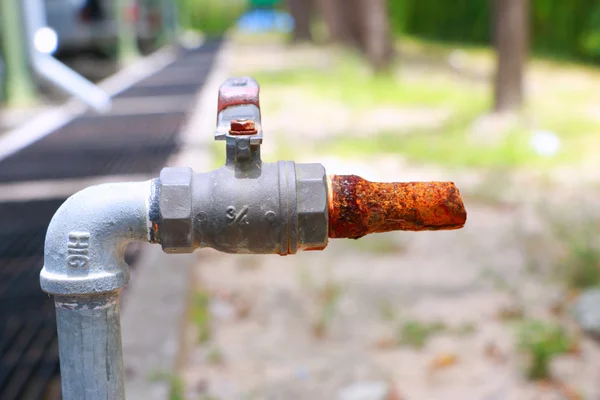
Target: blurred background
(500, 96)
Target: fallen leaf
(394, 394)
(443, 360)
(493, 352)
(565, 391)
(569, 392)
(510, 312)
(385, 343)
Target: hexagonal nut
(313, 213)
(175, 208)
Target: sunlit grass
(350, 82)
(554, 106)
(453, 145)
(201, 316)
(541, 342)
(212, 17)
(449, 148)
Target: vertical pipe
(89, 338)
(19, 85)
(169, 25)
(127, 48)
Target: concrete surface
(155, 314)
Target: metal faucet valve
(245, 206)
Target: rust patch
(155, 232)
(240, 127)
(153, 212)
(358, 207)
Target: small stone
(587, 312)
(221, 309)
(366, 390)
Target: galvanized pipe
(84, 268)
(89, 338)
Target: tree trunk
(360, 23)
(376, 36)
(511, 39)
(301, 11)
(337, 17)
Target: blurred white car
(91, 24)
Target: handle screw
(242, 127)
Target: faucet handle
(239, 103)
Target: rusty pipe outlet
(358, 207)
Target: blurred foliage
(459, 20)
(379, 244)
(417, 333)
(175, 383)
(349, 81)
(328, 296)
(435, 85)
(264, 3)
(541, 342)
(211, 17)
(578, 264)
(201, 315)
(215, 356)
(582, 265)
(564, 28)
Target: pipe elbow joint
(86, 239)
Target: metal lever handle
(238, 91)
(239, 100)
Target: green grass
(541, 342)
(215, 356)
(351, 83)
(555, 108)
(387, 310)
(176, 385)
(378, 244)
(201, 316)
(452, 147)
(212, 17)
(259, 38)
(576, 233)
(328, 296)
(582, 266)
(416, 333)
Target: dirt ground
(332, 324)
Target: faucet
(246, 206)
